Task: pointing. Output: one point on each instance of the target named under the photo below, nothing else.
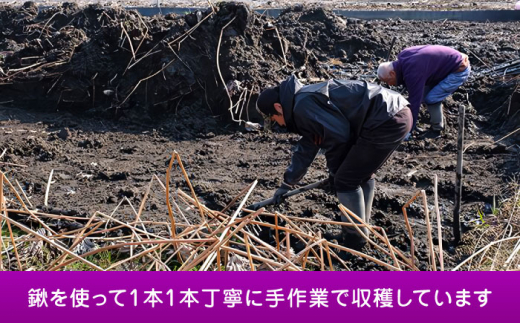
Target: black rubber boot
(354, 201)
(436, 117)
(368, 194)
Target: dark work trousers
(371, 150)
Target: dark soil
(72, 105)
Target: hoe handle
(299, 190)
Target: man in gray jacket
(358, 124)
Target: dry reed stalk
(23, 193)
(333, 254)
(305, 259)
(18, 197)
(360, 254)
(222, 219)
(141, 208)
(220, 73)
(298, 234)
(349, 215)
(482, 250)
(194, 253)
(187, 178)
(235, 199)
(338, 258)
(237, 105)
(322, 262)
(282, 47)
(516, 249)
(126, 225)
(507, 226)
(168, 204)
(392, 254)
(305, 252)
(28, 230)
(181, 213)
(2, 210)
(187, 199)
(64, 234)
(158, 259)
(331, 268)
(144, 79)
(226, 256)
(80, 237)
(508, 261)
(209, 254)
(298, 219)
(14, 165)
(122, 238)
(276, 234)
(174, 253)
(288, 244)
(46, 200)
(284, 229)
(150, 52)
(246, 239)
(439, 225)
(47, 23)
(126, 244)
(251, 245)
(408, 227)
(192, 231)
(255, 257)
(187, 33)
(144, 35)
(143, 202)
(129, 40)
(273, 250)
(429, 230)
(145, 266)
(212, 255)
(405, 260)
(218, 260)
(47, 215)
(138, 255)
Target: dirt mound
(116, 62)
(113, 60)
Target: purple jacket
(420, 66)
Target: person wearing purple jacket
(430, 73)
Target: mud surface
(69, 112)
(355, 5)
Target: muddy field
(356, 5)
(69, 103)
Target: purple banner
(258, 297)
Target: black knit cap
(267, 99)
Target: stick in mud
(458, 180)
(46, 200)
(439, 226)
(390, 49)
(429, 230)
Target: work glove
(281, 191)
(330, 185)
